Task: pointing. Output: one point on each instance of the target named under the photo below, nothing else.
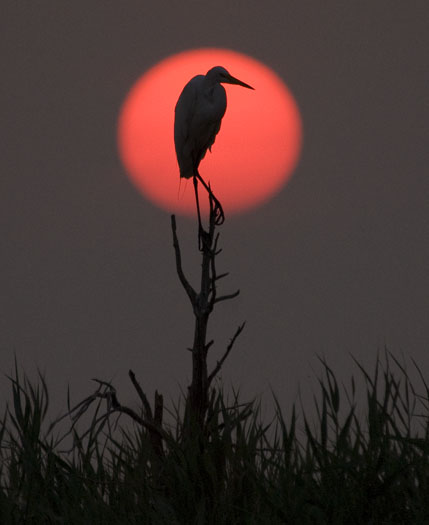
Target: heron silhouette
(198, 116)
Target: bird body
(198, 116)
(197, 120)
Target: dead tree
(203, 303)
(197, 403)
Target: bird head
(219, 75)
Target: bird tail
(186, 173)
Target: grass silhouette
(356, 462)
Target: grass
(363, 459)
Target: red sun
(255, 151)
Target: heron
(198, 116)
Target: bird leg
(218, 210)
(197, 200)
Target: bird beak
(233, 80)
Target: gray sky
(337, 263)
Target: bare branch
(143, 422)
(104, 383)
(156, 432)
(226, 297)
(213, 288)
(141, 394)
(225, 355)
(185, 283)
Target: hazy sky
(337, 263)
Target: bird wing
(214, 131)
(210, 117)
(198, 117)
(184, 114)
